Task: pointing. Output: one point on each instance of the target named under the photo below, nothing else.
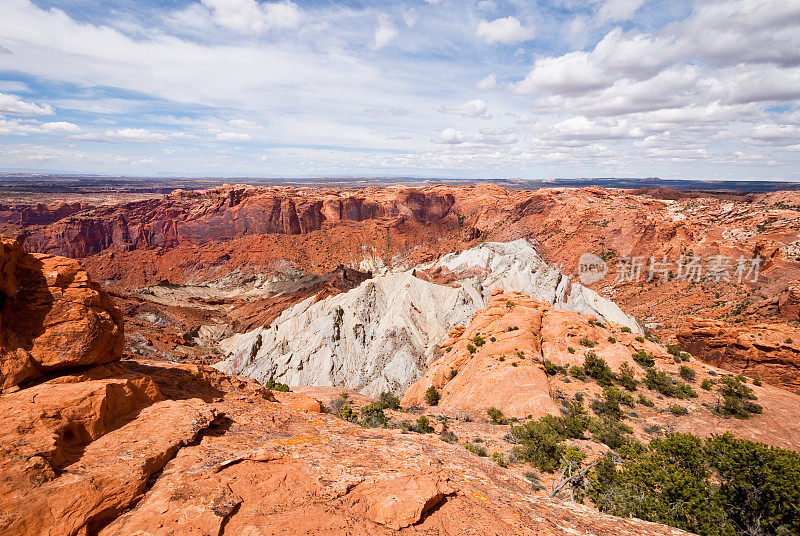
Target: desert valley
(280, 360)
(399, 267)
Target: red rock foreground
(122, 448)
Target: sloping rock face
(770, 352)
(382, 335)
(498, 359)
(53, 316)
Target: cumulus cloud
(618, 10)
(449, 136)
(385, 32)
(507, 30)
(10, 104)
(250, 16)
(233, 136)
(473, 108)
(488, 83)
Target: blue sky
(429, 88)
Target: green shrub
(448, 437)
(476, 449)
(453, 373)
(470, 348)
(346, 412)
(612, 340)
(721, 487)
(498, 459)
(644, 359)
(660, 381)
(625, 329)
(707, 384)
(610, 432)
(551, 369)
(757, 382)
(737, 398)
(639, 338)
(687, 373)
(674, 349)
(626, 377)
(577, 372)
(643, 400)
(539, 444)
(372, 415)
(598, 369)
(432, 396)
(276, 386)
(478, 340)
(497, 416)
(493, 339)
(570, 349)
(677, 409)
(389, 401)
(424, 425)
(608, 405)
(587, 342)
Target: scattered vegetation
(577, 372)
(277, 386)
(612, 340)
(737, 399)
(687, 373)
(496, 416)
(626, 377)
(660, 381)
(707, 384)
(597, 369)
(476, 449)
(587, 342)
(677, 409)
(424, 425)
(432, 396)
(722, 486)
(478, 340)
(388, 401)
(470, 348)
(644, 359)
(625, 329)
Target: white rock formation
(382, 335)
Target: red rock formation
(770, 352)
(53, 317)
(152, 448)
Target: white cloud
(250, 16)
(233, 136)
(60, 126)
(488, 83)
(245, 123)
(385, 32)
(449, 136)
(473, 108)
(135, 135)
(618, 10)
(9, 104)
(507, 30)
(567, 74)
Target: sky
(706, 89)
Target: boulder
(52, 316)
